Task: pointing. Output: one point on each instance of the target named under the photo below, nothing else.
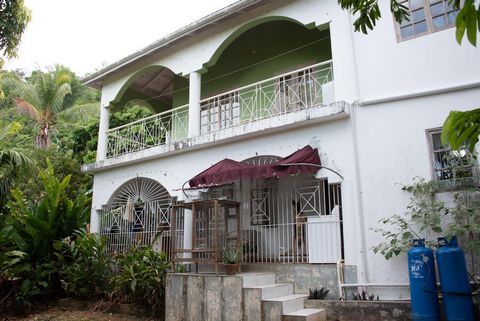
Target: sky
(85, 35)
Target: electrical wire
(241, 69)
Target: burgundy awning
(228, 170)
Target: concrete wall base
(200, 297)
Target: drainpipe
(361, 221)
(340, 277)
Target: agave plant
(364, 296)
(317, 294)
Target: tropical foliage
(30, 230)
(86, 267)
(462, 129)
(14, 17)
(140, 277)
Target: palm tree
(42, 98)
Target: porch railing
(315, 240)
(294, 91)
(159, 129)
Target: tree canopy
(14, 17)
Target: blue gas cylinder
(455, 284)
(423, 282)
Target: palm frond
(56, 104)
(80, 113)
(27, 92)
(25, 108)
(14, 158)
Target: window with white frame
(449, 167)
(426, 16)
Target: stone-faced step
(274, 308)
(272, 290)
(306, 315)
(256, 279)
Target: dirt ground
(59, 314)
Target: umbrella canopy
(305, 160)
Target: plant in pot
(231, 261)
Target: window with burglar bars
(450, 168)
(426, 16)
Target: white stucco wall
(392, 144)
(394, 149)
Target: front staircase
(266, 300)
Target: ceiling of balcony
(156, 83)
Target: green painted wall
(285, 45)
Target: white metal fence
(313, 240)
(152, 131)
(297, 90)
(137, 224)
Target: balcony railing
(296, 91)
(159, 129)
(301, 89)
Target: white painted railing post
(102, 133)
(194, 105)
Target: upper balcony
(272, 77)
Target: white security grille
(293, 219)
(138, 213)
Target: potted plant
(231, 261)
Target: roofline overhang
(239, 7)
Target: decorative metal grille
(159, 129)
(138, 213)
(297, 90)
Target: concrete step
(306, 315)
(272, 290)
(257, 279)
(274, 308)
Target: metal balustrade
(301, 89)
(159, 129)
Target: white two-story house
(261, 80)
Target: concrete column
(194, 105)
(187, 233)
(94, 221)
(102, 133)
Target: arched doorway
(138, 213)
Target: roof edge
(174, 36)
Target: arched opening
(137, 213)
(262, 49)
(268, 67)
(155, 86)
(153, 111)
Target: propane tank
(423, 282)
(455, 284)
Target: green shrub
(86, 266)
(31, 229)
(140, 278)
